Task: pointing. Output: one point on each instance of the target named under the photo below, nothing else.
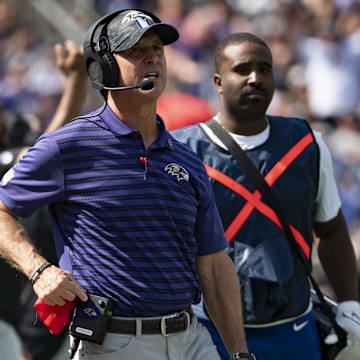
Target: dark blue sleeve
(35, 181)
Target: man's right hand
(70, 59)
(54, 286)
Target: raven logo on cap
(141, 19)
(178, 171)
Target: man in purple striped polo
(133, 213)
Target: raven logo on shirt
(178, 171)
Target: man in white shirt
(296, 163)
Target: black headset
(100, 62)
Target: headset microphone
(144, 85)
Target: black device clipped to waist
(92, 318)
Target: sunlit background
(315, 45)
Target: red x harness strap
(254, 199)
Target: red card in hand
(55, 317)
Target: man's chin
(254, 106)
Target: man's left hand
(348, 317)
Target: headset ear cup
(101, 65)
(94, 66)
(96, 75)
(110, 70)
(102, 70)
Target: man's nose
(151, 55)
(254, 77)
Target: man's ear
(217, 81)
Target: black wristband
(39, 271)
(242, 356)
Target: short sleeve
(327, 199)
(209, 230)
(35, 181)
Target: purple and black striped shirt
(128, 222)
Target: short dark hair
(236, 38)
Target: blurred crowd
(315, 44)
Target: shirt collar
(117, 126)
(165, 139)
